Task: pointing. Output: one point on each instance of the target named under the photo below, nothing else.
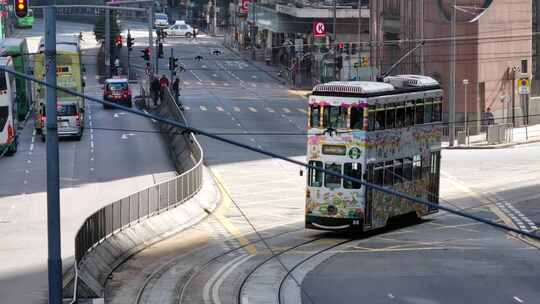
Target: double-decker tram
(386, 133)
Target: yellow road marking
(219, 214)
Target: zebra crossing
(206, 84)
(249, 109)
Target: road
(104, 166)
(444, 259)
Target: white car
(179, 29)
(161, 21)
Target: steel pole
(170, 66)
(150, 34)
(466, 117)
(107, 43)
(452, 78)
(53, 172)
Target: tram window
(426, 162)
(378, 174)
(379, 119)
(400, 116)
(332, 181)
(4, 115)
(389, 173)
(371, 119)
(315, 176)
(352, 170)
(390, 116)
(407, 169)
(335, 117)
(428, 112)
(435, 162)
(437, 112)
(398, 170)
(315, 117)
(357, 118)
(409, 115)
(419, 112)
(3, 82)
(417, 167)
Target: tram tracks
(288, 270)
(153, 279)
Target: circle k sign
(319, 29)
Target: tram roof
(392, 85)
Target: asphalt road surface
(108, 163)
(443, 259)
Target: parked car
(161, 21)
(179, 29)
(117, 90)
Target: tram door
(368, 207)
(434, 178)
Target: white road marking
(210, 283)
(29, 161)
(253, 85)
(220, 109)
(214, 75)
(391, 296)
(92, 145)
(302, 110)
(226, 84)
(186, 108)
(254, 77)
(25, 182)
(518, 299)
(203, 108)
(270, 110)
(236, 109)
(187, 82)
(286, 110)
(239, 125)
(252, 109)
(91, 159)
(31, 147)
(91, 169)
(252, 139)
(219, 282)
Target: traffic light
(160, 50)
(339, 62)
(347, 48)
(173, 63)
(129, 41)
(118, 41)
(365, 61)
(146, 54)
(341, 45)
(21, 8)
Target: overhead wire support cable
(278, 156)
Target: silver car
(70, 121)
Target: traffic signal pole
(108, 43)
(53, 173)
(171, 64)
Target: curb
(500, 146)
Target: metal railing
(151, 201)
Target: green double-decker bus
(17, 48)
(25, 22)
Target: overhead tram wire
(277, 156)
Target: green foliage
(99, 28)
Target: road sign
(245, 6)
(319, 29)
(524, 86)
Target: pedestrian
(117, 66)
(154, 89)
(163, 85)
(81, 36)
(488, 117)
(194, 33)
(176, 91)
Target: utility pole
(107, 42)
(150, 34)
(336, 70)
(53, 173)
(452, 78)
(359, 35)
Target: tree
(99, 28)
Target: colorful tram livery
(387, 133)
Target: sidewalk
(518, 136)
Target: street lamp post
(465, 83)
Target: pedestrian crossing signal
(146, 54)
(21, 8)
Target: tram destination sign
(334, 150)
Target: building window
(352, 170)
(407, 169)
(380, 118)
(428, 110)
(332, 181)
(315, 116)
(315, 176)
(357, 118)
